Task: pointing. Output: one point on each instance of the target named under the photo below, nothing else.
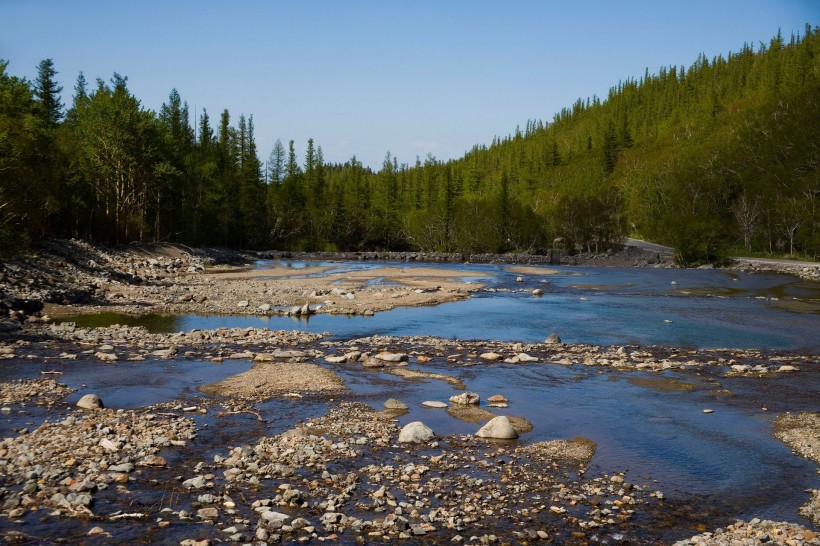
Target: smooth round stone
(415, 432)
(90, 401)
(499, 428)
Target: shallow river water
(713, 467)
(703, 308)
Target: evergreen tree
(276, 163)
(47, 92)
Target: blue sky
(368, 76)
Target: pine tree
(47, 92)
(276, 163)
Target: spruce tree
(47, 92)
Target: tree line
(718, 157)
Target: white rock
(90, 401)
(433, 404)
(524, 357)
(415, 432)
(498, 427)
(109, 445)
(491, 356)
(392, 357)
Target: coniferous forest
(719, 157)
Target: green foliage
(719, 155)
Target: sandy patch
(532, 270)
(578, 449)
(407, 273)
(266, 380)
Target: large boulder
(499, 428)
(90, 401)
(415, 433)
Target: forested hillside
(720, 156)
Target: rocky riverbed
(224, 467)
(343, 476)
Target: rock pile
(61, 464)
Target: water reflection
(693, 308)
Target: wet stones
(553, 339)
(42, 392)
(466, 398)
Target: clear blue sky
(368, 76)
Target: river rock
(393, 404)
(498, 427)
(274, 517)
(207, 513)
(105, 357)
(195, 483)
(497, 399)
(553, 339)
(392, 357)
(465, 398)
(524, 357)
(537, 292)
(415, 432)
(373, 362)
(491, 356)
(90, 401)
(264, 308)
(243, 303)
(336, 359)
(433, 404)
(109, 445)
